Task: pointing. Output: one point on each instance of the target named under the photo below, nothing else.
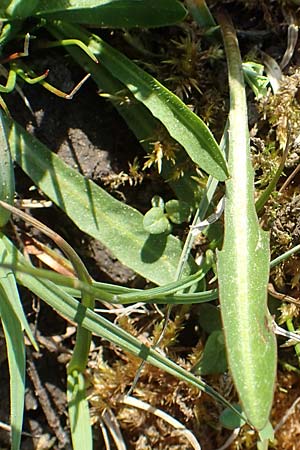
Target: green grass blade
(7, 183)
(182, 124)
(15, 352)
(80, 423)
(243, 263)
(115, 13)
(94, 211)
(10, 287)
(72, 309)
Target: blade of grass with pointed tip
(7, 180)
(115, 13)
(79, 415)
(15, 352)
(72, 309)
(182, 124)
(93, 210)
(243, 263)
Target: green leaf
(69, 307)
(114, 13)
(72, 309)
(267, 433)
(155, 221)
(213, 359)
(178, 211)
(243, 263)
(230, 420)
(138, 118)
(11, 289)
(7, 183)
(13, 332)
(93, 210)
(80, 422)
(182, 124)
(209, 318)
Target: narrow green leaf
(243, 263)
(115, 13)
(68, 306)
(11, 289)
(93, 210)
(72, 309)
(182, 124)
(138, 118)
(15, 352)
(7, 184)
(80, 423)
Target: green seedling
(157, 219)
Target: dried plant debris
(282, 111)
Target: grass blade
(243, 263)
(15, 352)
(79, 415)
(182, 124)
(71, 308)
(7, 183)
(11, 289)
(115, 13)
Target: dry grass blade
(112, 424)
(131, 401)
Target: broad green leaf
(213, 359)
(93, 210)
(80, 423)
(7, 184)
(243, 263)
(15, 352)
(182, 124)
(114, 13)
